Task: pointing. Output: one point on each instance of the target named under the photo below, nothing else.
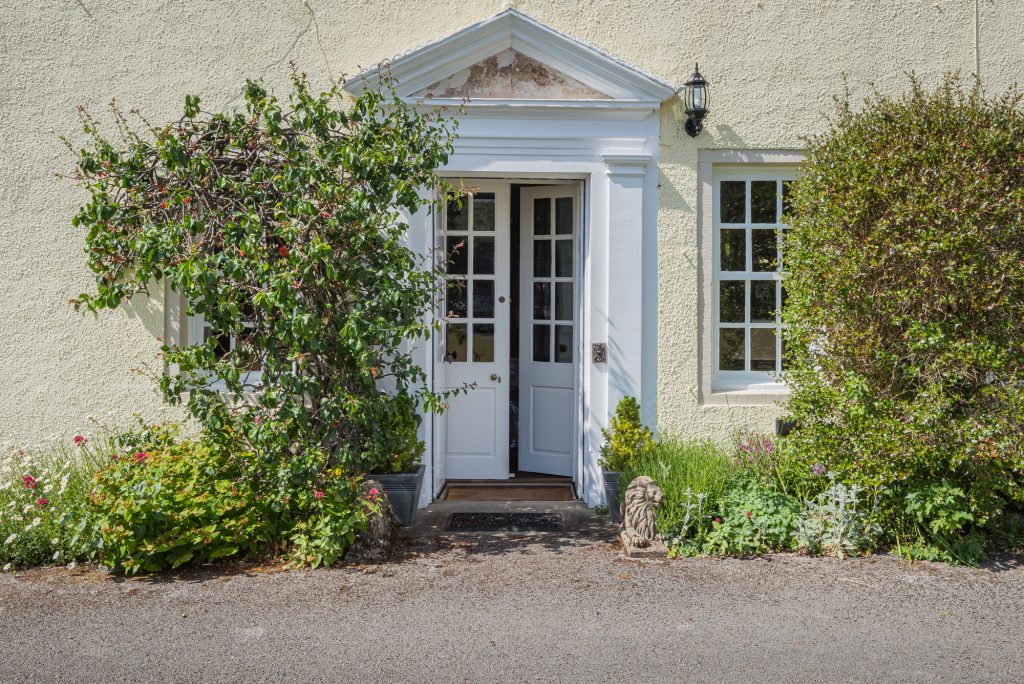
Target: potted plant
(398, 450)
(625, 440)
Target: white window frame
(735, 387)
(195, 334)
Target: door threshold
(540, 489)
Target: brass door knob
(495, 378)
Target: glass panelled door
(476, 333)
(548, 328)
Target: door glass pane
(730, 349)
(734, 250)
(456, 298)
(542, 301)
(483, 211)
(563, 344)
(563, 258)
(542, 258)
(456, 344)
(733, 202)
(483, 255)
(563, 301)
(458, 255)
(762, 201)
(483, 298)
(483, 342)
(762, 349)
(762, 301)
(563, 216)
(457, 219)
(542, 343)
(764, 249)
(542, 216)
(730, 301)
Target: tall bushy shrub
(905, 295)
(282, 226)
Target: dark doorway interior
(513, 362)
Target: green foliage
(692, 474)
(753, 518)
(626, 438)
(837, 522)
(940, 515)
(905, 298)
(193, 503)
(282, 227)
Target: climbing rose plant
(905, 297)
(282, 227)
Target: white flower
(53, 541)
(11, 538)
(72, 564)
(5, 568)
(56, 555)
(36, 521)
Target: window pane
(563, 301)
(734, 250)
(542, 301)
(786, 208)
(733, 207)
(762, 349)
(456, 344)
(563, 216)
(542, 343)
(542, 216)
(762, 301)
(456, 298)
(542, 258)
(762, 201)
(458, 255)
(730, 349)
(563, 344)
(483, 211)
(730, 301)
(563, 258)
(483, 342)
(457, 219)
(483, 255)
(483, 298)
(764, 249)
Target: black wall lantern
(696, 100)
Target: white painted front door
(548, 328)
(476, 333)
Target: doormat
(509, 492)
(504, 522)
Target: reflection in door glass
(542, 258)
(456, 343)
(457, 215)
(483, 298)
(483, 255)
(563, 344)
(458, 255)
(563, 301)
(483, 342)
(542, 216)
(563, 258)
(542, 301)
(483, 211)
(456, 298)
(542, 343)
(563, 216)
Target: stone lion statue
(642, 497)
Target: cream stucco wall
(773, 65)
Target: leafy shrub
(941, 517)
(905, 298)
(282, 227)
(626, 438)
(837, 523)
(753, 518)
(692, 474)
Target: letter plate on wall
(599, 352)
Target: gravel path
(541, 608)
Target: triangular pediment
(512, 56)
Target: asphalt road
(545, 609)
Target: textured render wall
(773, 65)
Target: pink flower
(318, 494)
(141, 456)
(79, 440)
(718, 520)
(29, 481)
(373, 493)
(41, 502)
(748, 514)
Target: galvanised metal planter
(611, 495)
(403, 490)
